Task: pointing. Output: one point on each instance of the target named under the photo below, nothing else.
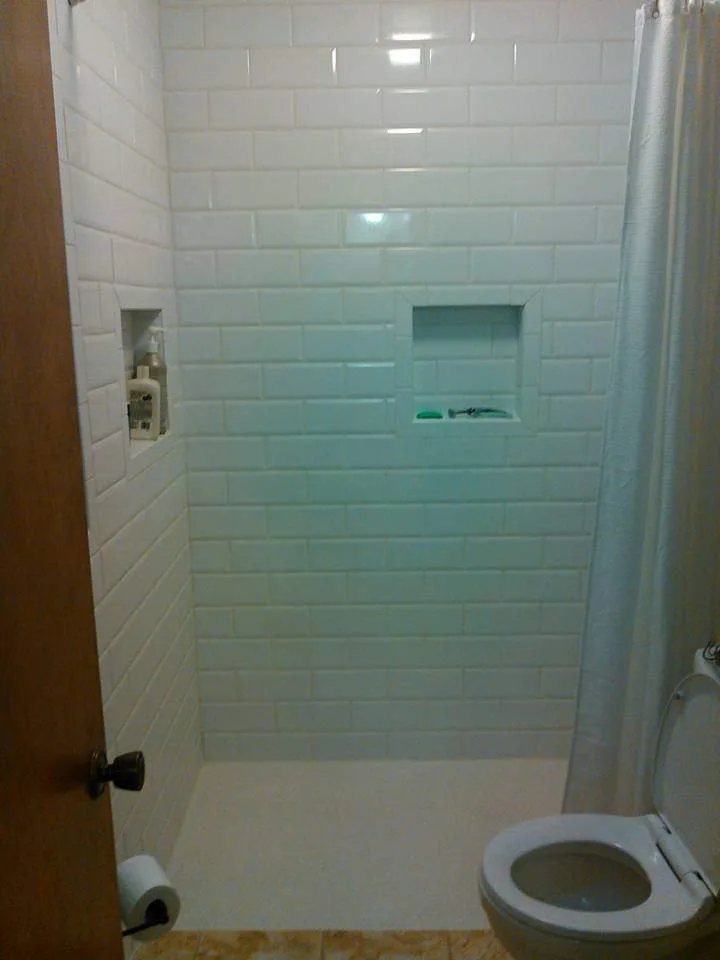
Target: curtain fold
(654, 585)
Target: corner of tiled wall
(365, 588)
(107, 74)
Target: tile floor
(387, 845)
(326, 945)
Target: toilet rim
(671, 906)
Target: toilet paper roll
(142, 882)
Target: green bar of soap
(429, 415)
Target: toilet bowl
(594, 886)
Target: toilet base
(524, 944)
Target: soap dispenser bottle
(158, 371)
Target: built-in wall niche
(466, 357)
(138, 325)
(481, 357)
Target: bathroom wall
(108, 93)
(366, 585)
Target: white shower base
(383, 845)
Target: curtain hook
(655, 10)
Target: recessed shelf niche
(136, 324)
(466, 356)
(478, 352)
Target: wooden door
(58, 895)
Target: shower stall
(346, 220)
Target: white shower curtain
(654, 590)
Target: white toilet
(595, 887)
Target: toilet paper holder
(156, 915)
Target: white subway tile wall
(361, 590)
(107, 72)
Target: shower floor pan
(377, 845)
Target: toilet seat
(672, 904)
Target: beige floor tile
(259, 945)
(385, 945)
(178, 945)
(476, 945)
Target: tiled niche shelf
(135, 325)
(483, 352)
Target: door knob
(126, 772)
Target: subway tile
(515, 21)
(350, 685)
(596, 20)
(353, 746)
(345, 416)
(412, 22)
(191, 191)
(512, 265)
(342, 188)
(466, 146)
(617, 61)
(591, 103)
(186, 110)
(207, 489)
(332, 267)
(513, 105)
(302, 380)
(307, 228)
(338, 108)
(229, 150)
(401, 147)
(555, 225)
(247, 25)
(614, 144)
(507, 186)
(453, 64)
(409, 266)
(206, 69)
(254, 190)
(258, 268)
(599, 262)
(335, 23)
(565, 376)
(218, 307)
(213, 230)
(380, 66)
(265, 417)
(258, 344)
(590, 184)
(558, 62)
(425, 187)
(555, 145)
(251, 109)
(268, 555)
(291, 67)
(181, 28)
(344, 343)
(301, 306)
(267, 487)
(384, 228)
(439, 106)
(296, 149)
(221, 381)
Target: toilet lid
(686, 772)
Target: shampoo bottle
(144, 406)
(158, 371)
